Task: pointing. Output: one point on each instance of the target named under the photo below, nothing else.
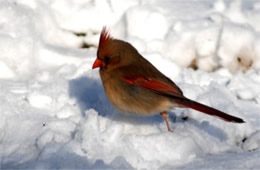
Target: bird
(133, 85)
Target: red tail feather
(208, 110)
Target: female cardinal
(134, 85)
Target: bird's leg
(165, 117)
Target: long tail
(209, 110)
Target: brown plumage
(134, 85)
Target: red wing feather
(152, 84)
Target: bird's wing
(173, 92)
(154, 84)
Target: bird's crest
(105, 38)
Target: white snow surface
(55, 114)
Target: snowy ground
(54, 113)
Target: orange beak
(98, 63)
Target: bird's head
(113, 53)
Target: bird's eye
(107, 59)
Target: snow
(143, 21)
(55, 114)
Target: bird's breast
(133, 99)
